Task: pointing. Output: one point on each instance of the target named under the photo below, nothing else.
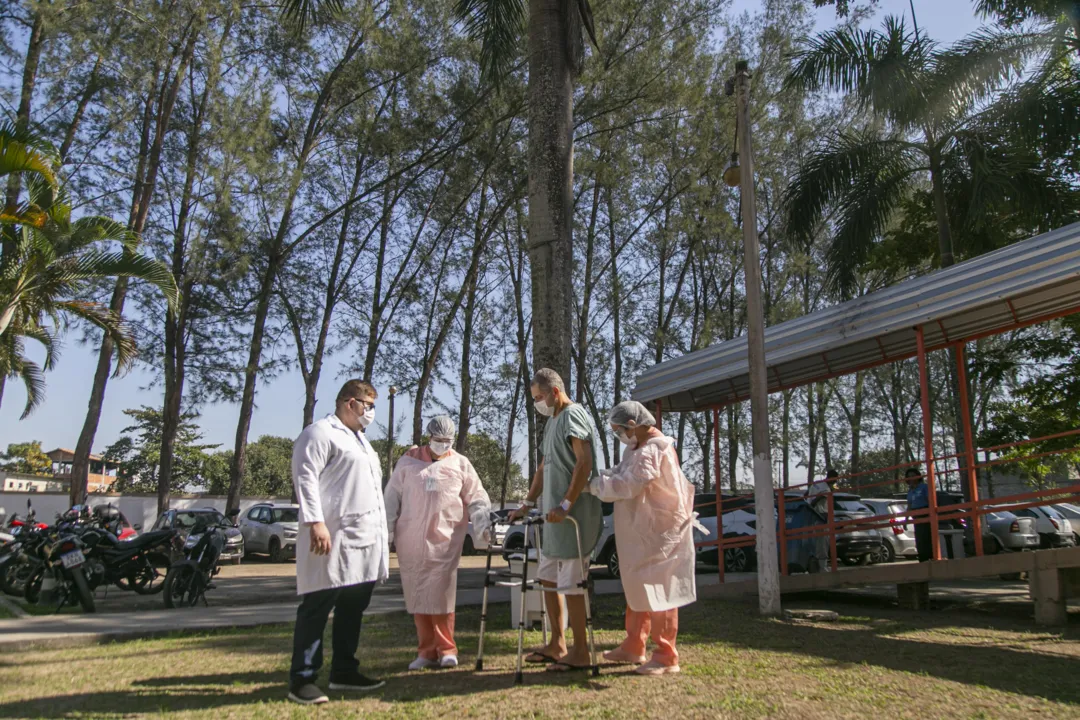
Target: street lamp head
(733, 173)
(393, 390)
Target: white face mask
(367, 418)
(544, 409)
(439, 448)
(629, 440)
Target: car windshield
(286, 515)
(1001, 515)
(188, 520)
(1069, 510)
(852, 506)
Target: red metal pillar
(928, 442)
(969, 449)
(719, 493)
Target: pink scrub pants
(436, 635)
(663, 626)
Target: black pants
(923, 542)
(348, 604)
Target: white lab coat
(338, 480)
(654, 516)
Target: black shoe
(354, 681)
(307, 694)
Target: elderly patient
(654, 517)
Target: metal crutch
(586, 581)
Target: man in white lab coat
(342, 548)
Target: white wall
(139, 509)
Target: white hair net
(631, 414)
(441, 426)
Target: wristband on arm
(565, 505)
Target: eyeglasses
(365, 404)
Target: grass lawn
(874, 662)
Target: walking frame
(510, 579)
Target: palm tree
(47, 262)
(556, 51)
(928, 122)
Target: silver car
(1072, 514)
(271, 528)
(1053, 527)
(899, 538)
(1004, 531)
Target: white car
(271, 528)
(1054, 529)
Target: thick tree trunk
(508, 450)
(551, 201)
(856, 425)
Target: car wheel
(468, 548)
(849, 561)
(736, 560)
(991, 546)
(814, 565)
(887, 554)
(276, 555)
(613, 563)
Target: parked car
(1003, 531)
(499, 536)
(900, 537)
(184, 522)
(804, 554)
(270, 529)
(1054, 529)
(856, 546)
(1072, 514)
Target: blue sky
(280, 403)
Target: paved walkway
(81, 629)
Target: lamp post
(390, 439)
(768, 571)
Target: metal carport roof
(1022, 284)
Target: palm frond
(863, 211)
(1043, 112)
(96, 264)
(301, 12)
(18, 157)
(497, 25)
(33, 379)
(981, 64)
(825, 177)
(112, 324)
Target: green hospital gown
(559, 461)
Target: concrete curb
(13, 607)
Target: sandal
(560, 666)
(538, 658)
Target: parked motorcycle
(60, 577)
(190, 578)
(139, 564)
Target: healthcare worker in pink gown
(654, 519)
(432, 495)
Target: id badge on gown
(431, 484)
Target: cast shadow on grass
(1004, 666)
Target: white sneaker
(448, 661)
(422, 663)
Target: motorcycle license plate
(72, 559)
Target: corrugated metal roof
(1019, 284)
